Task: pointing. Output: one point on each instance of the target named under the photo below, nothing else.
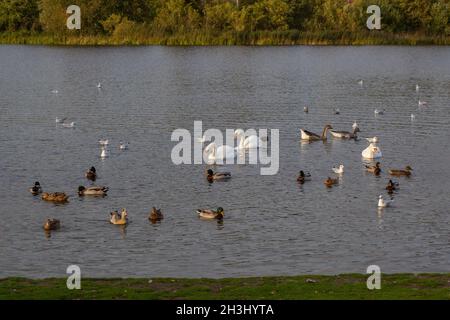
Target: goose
(211, 175)
(221, 153)
(91, 174)
(249, 142)
(345, 134)
(68, 125)
(36, 189)
(398, 172)
(60, 120)
(52, 224)
(391, 186)
(60, 197)
(305, 109)
(123, 145)
(211, 214)
(92, 191)
(379, 112)
(155, 215)
(119, 220)
(310, 136)
(376, 169)
(104, 153)
(422, 103)
(330, 182)
(302, 177)
(339, 170)
(384, 203)
(103, 142)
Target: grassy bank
(348, 286)
(261, 38)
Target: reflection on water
(273, 225)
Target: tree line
(227, 19)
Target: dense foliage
(235, 21)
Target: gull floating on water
(68, 125)
(305, 109)
(361, 82)
(99, 85)
(104, 154)
(417, 88)
(60, 120)
(337, 111)
(355, 126)
(339, 170)
(54, 91)
(103, 142)
(384, 203)
(378, 111)
(413, 117)
(422, 103)
(123, 146)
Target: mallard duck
(91, 174)
(92, 191)
(211, 214)
(55, 197)
(51, 224)
(384, 203)
(398, 172)
(310, 136)
(122, 220)
(155, 215)
(211, 175)
(36, 189)
(302, 177)
(330, 182)
(376, 169)
(391, 186)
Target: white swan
(250, 142)
(384, 203)
(372, 152)
(339, 170)
(221, 153)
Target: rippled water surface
(272, 225)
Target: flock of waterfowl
(372, 152)
(245, 143)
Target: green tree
(19, 14)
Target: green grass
(347, 286)
(257, 38)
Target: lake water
(272, 225)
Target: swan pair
(226, 152)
